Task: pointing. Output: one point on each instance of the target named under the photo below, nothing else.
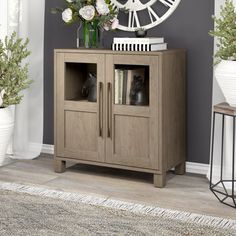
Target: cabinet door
(132, 119)
(79, 123)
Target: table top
(225, 108)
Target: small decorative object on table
(225, 71)
(94, 15)
(139, 44)
(89, 89)
(13, 79)
(140, 33)
(138, 93)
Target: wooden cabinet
(150, 137)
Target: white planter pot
(6, 131)
(225, 73)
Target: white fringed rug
(31, 210)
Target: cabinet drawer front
(81, 131)
(131, 141)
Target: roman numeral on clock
(168, 3)
(133, 19)
(152, 14)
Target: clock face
(144, 14)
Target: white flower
(111, 25)
(69, 0)
(67, 15)
(115, 23)
(1, 97)
(87, 12)
(102, 7)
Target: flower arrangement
(225, 32)
(93, 14)
(13, 75)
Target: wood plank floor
(187, 193)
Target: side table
(223, 194)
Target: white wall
(218, 98)
(217, 94)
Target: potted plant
(93, 15)
(225, 32)
(13, 79)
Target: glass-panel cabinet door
(132, 104)
(80, 106)
(131, 85)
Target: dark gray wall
(187, 28)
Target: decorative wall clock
(146, 14)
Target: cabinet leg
(159, 180)
(59, 166)
(180, 169)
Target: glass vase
(78, 39)
(91, 34)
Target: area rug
(31, 210)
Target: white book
(116, 86)
(141, 47)
(129, 82)
(125, 74)
(150, 40)
(157, 47)
(120, 86)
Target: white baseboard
(197, 168)
(191, 167)
(48, 149)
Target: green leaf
(225, 32)
(13, 73)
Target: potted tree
(13, 79)
(225, 70)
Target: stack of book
(123, 83)
(139, 44)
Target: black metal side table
(219, 189)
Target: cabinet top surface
(108, 51)
(225, 108)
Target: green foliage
(225, 32)
(13, 75)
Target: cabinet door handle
(100, 115)
(109, 109)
